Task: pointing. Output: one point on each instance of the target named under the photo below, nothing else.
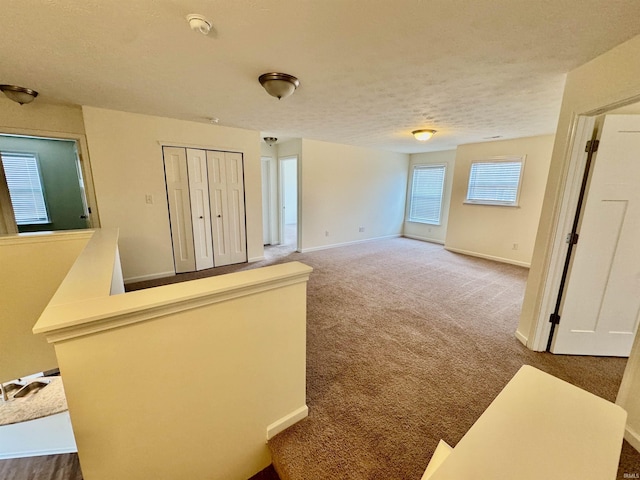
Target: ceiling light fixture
(423, 135)
(21, 95)
(198, 23)
(279, 85)
(270, 140)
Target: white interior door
(601, 307)
(175, 170)
(200, 214)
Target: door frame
(582, 127)
(93, 219)
(265, 165)
(281, 199)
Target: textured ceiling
(370, 70)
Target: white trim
(286, 421)
(569, 192)
(45, 237)
(97, 315)
(344, 244)
(423, 239)
(256, 259)
(166, 143)
(633, 437)
(521, 337)
(489, 257)
(151, 276)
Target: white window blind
(495, 182)
(426, 194)
(25, 187)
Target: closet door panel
(200, 210)
(235, 195)
(217, 170)
(176, 176)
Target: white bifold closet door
(200, 215)
(205, 190)
(177, 178)
(226, 186)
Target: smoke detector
(199, 23)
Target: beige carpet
(408, 343)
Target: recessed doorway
(289, 201)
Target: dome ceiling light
(21, 95)
(423, 135)
(279, 85)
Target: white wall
(490, 231)
(40, 116)
(344, 188)
(126, 156)
(422, 231)
(33, 265)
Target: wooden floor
(67, 467)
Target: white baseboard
(489, 257)
(151, 276)
(344, 244)
(286, 421)
(424, 239)
(633, 437)
(521, 337)
(255, 259)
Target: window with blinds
(25, 187)
(495, 182)
(427, 186)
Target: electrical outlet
(361, 229)
(148, 199)
(515, 246)
(326, 233)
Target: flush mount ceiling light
(270, 140)
(198, 23)
(279, 85)
(21, 95)
(423, 135)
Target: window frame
(427, 166)
(36, 159)
(497, 160)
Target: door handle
(84, 217)
(219, 216)
(201, 216)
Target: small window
(25, 187)
(495, 182)
(427, 186)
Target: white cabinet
(205, 191)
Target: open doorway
(43, 181)
(289, 201)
